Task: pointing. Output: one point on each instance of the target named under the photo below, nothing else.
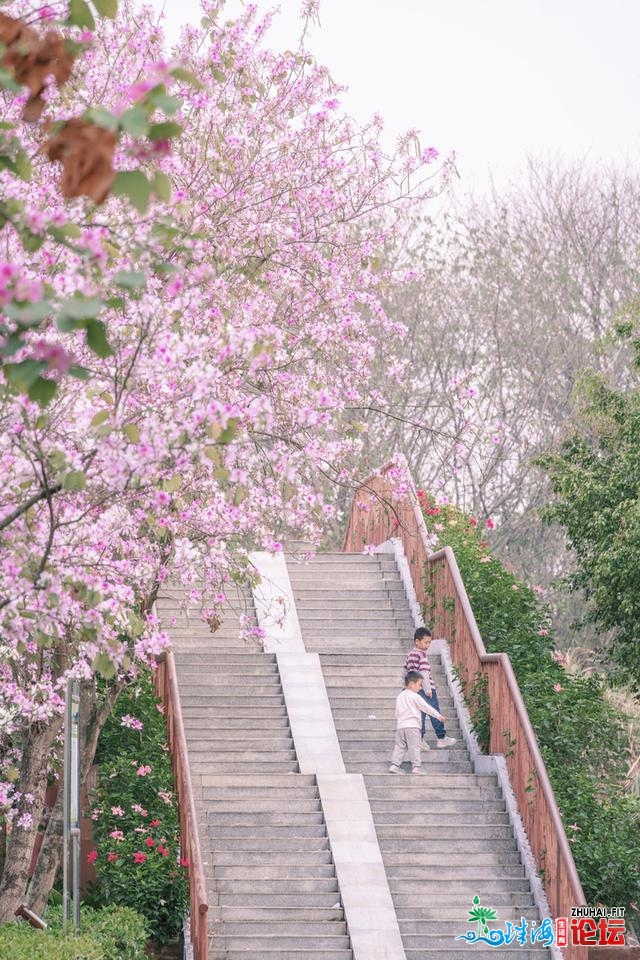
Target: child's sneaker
(446, 742)
(417, 770)
(394, 769)
(424, 745)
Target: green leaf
(8, 81)
(42, 391)
(68, 231)
(165, 131)
(158, 97)
(106, 8)
(74, 480)
(78, 307)
(80, 15)
(187, 77)
(135, 121)
(102, 117)
(29, 314)
(229, 432)
(97, 338)
(22, 375)
(132, 432)
(104, 666)
(100, 417)
(162, 186)
(80, 373)
(134, 185)
(22, 166)
(130, 279)
(218, 75)
(172, 483)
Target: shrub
(19, 941)
(581, 736)
(120, 931)
(136, 831)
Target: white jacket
(409, 706)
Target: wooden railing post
(167, 689)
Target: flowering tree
(180, 372)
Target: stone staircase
(445, 837)
(272, 888)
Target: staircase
(445, 837)
(272, 888)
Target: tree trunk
(93, 716)
(37, 743)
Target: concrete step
(233, 766)
(454, 884)
(455, 857)
(291, 916)
(278, 886)
(452, 846)
(195, 721)
(267, 900)
(253, 782)
(299, 953)
(267, 873)
(216, 804)
(409, 906)
(267, 944)
(271, 858)
(421, 952)
(434, 815)
(289, 832)
(289, 820)
(272, 844)
(335, 927)
(273, 795)
(203, 741)
(445, 833)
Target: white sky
(494, 80)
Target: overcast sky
(494, 80)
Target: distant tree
(596, 481)
(506, 301)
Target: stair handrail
(384, 507)
(167, 687)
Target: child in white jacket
(409, 710)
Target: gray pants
(407, 745)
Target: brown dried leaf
(31, 58)
(86, 153)
(214, 622)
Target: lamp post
(71, 803)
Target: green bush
(580, 735)
(136, 828)
(120, 931)
(19, 941)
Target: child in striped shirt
(416, 659)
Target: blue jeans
(438, 725)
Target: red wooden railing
(385, 506)
(167, 688)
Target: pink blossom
(117, 835)
(143, 770)
(117, 811)
(558, 687)
(131, 722)
(489, 523)
(139, 857)
(543, 632)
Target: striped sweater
(417, 660)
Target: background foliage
(136, 826)
(112, 933)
